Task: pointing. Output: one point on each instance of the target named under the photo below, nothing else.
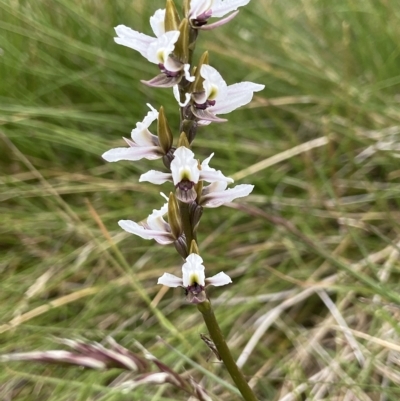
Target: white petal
(133, 39)
(219, 279)
(218, 198)
(217, 186)
(213, 176)
(193, 270)
(175, 90)
(170, 280)
(155, 177)
(209, 174)
(205, 164)
(157, 22)
(223, 7)
(132, 153)
(159, 50)
(184, 166)
(141, 135)
(214, 85)
(156, 221)
(236, 95)
(164, 196)
(161, 237)
(198, 7)
(186, 69)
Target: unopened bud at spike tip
(171, 21)
(186, 8)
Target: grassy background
(312, 251)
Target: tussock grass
(313, 252)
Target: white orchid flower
(156, 49)
(201, 10)
(144, 145)
(193, 278)
(185, 174)
(155, 227)
(218, 97)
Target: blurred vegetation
(312, 251)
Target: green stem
(215, 332)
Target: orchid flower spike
(201, 10)
(193, 279)
(185, 174)
(218, 97)
(158, 50)
(144, 145)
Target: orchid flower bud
(164, 131)
(171, 20)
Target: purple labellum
(203, 106)
(195, 289)
(202, 18)
(185, 185)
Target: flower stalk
(223, 350)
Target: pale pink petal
(170, 280)
(218, 198)
(162, 237)
(219, 279)
(217, 24)
(236, 95)
(133, 39)
(217, 186)
(213, 175)
(155, 177)
(222, 7)
(162, 81)
(206, 115)
(157, 22)
(156, 221)
(133, 153)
